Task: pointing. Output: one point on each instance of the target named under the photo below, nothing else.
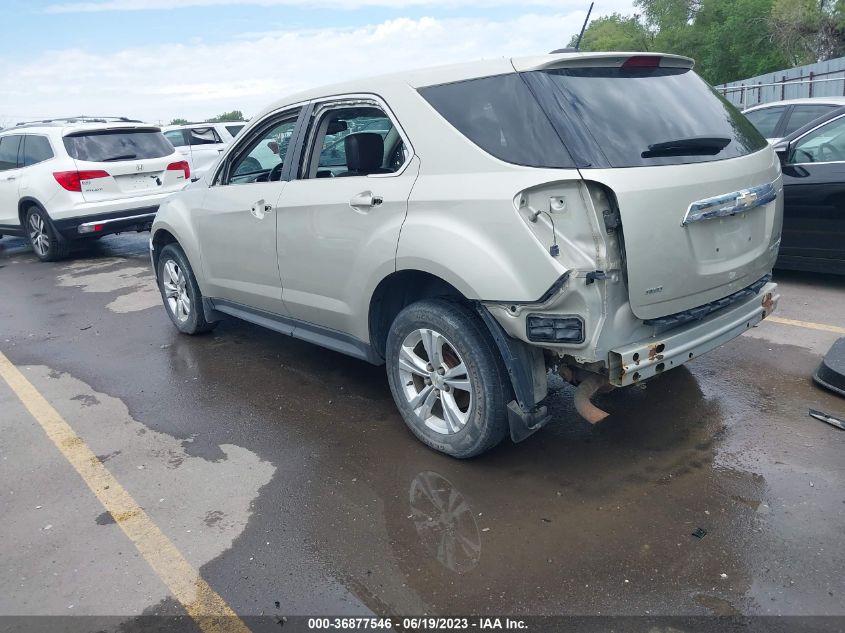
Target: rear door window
(9, 146)
(234, 129)
(766, 120)
(203, 136)
(801, 115)
(36, 149)
(105, 146)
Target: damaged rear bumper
(638, 361)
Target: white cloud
(160, 5)
(198, 80)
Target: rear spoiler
(92, 131)
(601, 60)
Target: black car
(813, 159)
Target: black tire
(193, 320)
(46, 243)
(465, 338)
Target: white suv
(202, 143)
(73, 179)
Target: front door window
(263, 159)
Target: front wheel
(180, 293)
(447, 378)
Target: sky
(157, 60)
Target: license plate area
(139, 182)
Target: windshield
(118, 145)
(642, 116)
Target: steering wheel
(276, 172)
(810, 157)
(827, 152)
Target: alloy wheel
(175, 290)
(435, 381)
(38, 234)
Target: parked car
(605, 215)
(66, 180)
(202, 143)
(781, 118)
(814, 196)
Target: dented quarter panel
(482, 245)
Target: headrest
(364, 151)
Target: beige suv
(473, 227)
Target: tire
(462, 416)
(45, 241)
(180, 293)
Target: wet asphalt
(285, 475)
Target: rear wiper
(692, 146)
(121, 157)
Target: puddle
(135, 284)
(202, 504)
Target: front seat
(364, 154)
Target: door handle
(260, 209)
(365, 199)
(11, 178)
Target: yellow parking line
(203, 604)
(808, 324)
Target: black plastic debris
(831, 373)
(839, 423)
(699, 532)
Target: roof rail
(82, 119)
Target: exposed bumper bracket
(635, 362)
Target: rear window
(117, 145)
(644, 116)
(596, 117)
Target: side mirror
(784, 151)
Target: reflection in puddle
(444, 522)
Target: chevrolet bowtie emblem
(746, 198)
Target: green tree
(809, 30)
(729, 39)
(179, 122)
(234, 115)
(615, 32)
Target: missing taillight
(72, 180)
(182, 166)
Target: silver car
(474, 227)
